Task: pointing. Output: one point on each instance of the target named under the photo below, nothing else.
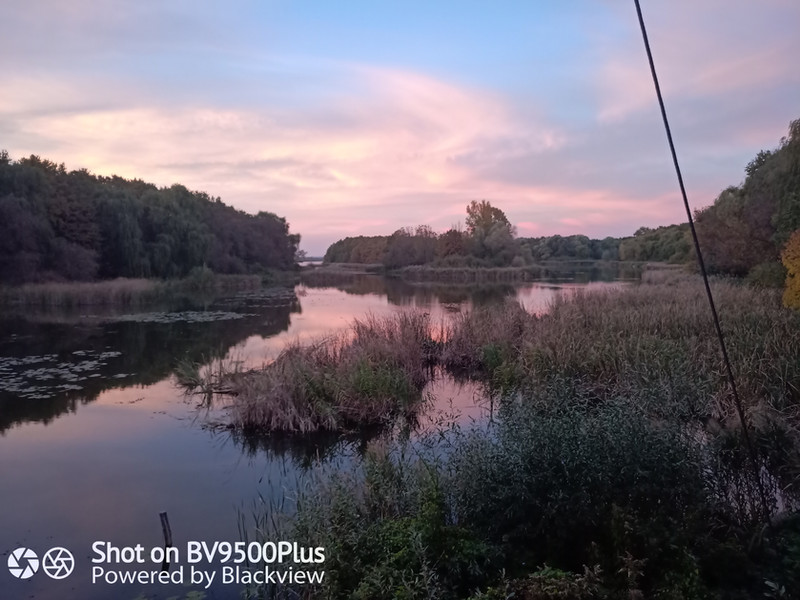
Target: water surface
(96, 438)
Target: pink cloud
(373, 149)
(695, 59)
(526, 228)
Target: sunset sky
(359, 117)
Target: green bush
(389, 533)
(767, 275)
(576, 485)
(568, 487)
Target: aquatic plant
(366, 375)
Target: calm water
(96, 438)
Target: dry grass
(118, 292)
(654, 344)
(121, 291)
(365, 376)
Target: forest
(58, 225)
(748, 225)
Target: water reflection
(305, 450)
(55, 362)
(50, 368)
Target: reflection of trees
(402, 293)
(150, 351)
(585, 272)
(307, 449)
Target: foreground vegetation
(614, 470)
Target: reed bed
(653, 343)
(117, 292)
(122, 291)
(367, 375)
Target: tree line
(72, 225)
(489, 240)
(748, 225)
(745, 232)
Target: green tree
(491, 235)
(482, 216)
(56, 224)
(450, 243)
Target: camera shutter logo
(58, 563)
(23, 563)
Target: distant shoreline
(133, 292)
(423, 273)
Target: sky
(361, 117)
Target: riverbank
(125, 292)
(468, 275)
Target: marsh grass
(122, 291)
(654, 344)
(118, 292)
(369, 374)
(654, 347)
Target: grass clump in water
(364, 376)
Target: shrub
(563, 486)
(767, 275)
(388, 532)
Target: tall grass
(654, 347)
(642, 342)
(364, 376)
(122, 291)
(117, 292)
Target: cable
(731, 379)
